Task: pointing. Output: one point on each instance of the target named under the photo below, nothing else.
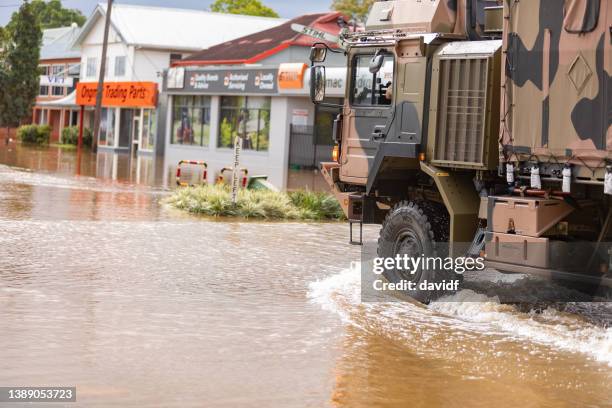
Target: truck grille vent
(462, 103)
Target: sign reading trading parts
(119, 94)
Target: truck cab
(414, 61)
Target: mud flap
(461, 201)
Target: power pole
(98, 111)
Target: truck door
(366, 115)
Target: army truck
(481, 124)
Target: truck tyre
(407, 230)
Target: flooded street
(138, 305)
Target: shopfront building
(255, 87)
(143, 42)
(128, 119)
(60, 68)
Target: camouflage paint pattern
(556, 99)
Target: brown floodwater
(137, 305)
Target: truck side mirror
(317, 84)
(318, 53)
(376, 63)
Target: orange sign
(291, 75)
(119, 94)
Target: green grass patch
(64, 146)
(216, 201)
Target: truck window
(372, 89)
(581, 16)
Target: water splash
(465, 312)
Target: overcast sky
(286, 8)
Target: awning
(66, 102)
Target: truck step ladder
(355, 216)
(351, 241)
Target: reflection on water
(125, 168)
(54, 183)
(137, 305)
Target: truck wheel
(406, 230)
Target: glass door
(136, 135)
(126, 127)
(149, 130)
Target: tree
(3, 98)
(52, 15)
(247, 7)
(3, 74)
(19, 72)
(358, 9)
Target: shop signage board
(119, 94)
(335, 81)
(300, 117)
(176, 78)
(61, 81)
(291, 75)
(227, 81)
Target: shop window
(107, 127)
(581, 16)
(120, 66)
(191, 120)
(57, 91)
(248, 117)
(372, 89)
(74, 69)
(57, 70)
(44, 69)
(44, 90)
(149, 129)
(92, 66)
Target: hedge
(70, 135)
(34, 134)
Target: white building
(143, 42)
(59, 65)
